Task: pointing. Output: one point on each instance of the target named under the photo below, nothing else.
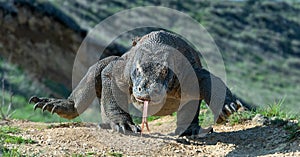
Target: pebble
(176, 151)
(49, 141)
(260, 119)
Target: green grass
(158, 124)
(206, 118)
(7, 137)
(274, 110)
(138, 120)
(16, 140)
(10, 152)
(240, 117)
(9, 130)
(152, 118)
(275, 114)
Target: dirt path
(66, 139)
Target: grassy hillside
(260, 42)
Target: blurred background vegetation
(259, 41)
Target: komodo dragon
(150, 72)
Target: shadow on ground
(256, 141)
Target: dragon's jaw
(139, 102)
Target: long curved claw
(52, 111)
(227, 110)
(233, 106)
(239, 104)
(37, 105)
(123, 128)
(44, 107)
(34, 99)
(51, 104)
(114, 127)
(135, 128)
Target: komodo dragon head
(149, 83)
(151, 78)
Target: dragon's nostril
(139, 89)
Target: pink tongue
(145, 114)
(145, 109)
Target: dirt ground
(69, 139)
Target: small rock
(260, 119)
(49, 141)
(273, 118)
(176, 151)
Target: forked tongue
(145, 114)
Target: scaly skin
(150, 71)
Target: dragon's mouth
(141, 101)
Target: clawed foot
(63, 107)
(194, 130)
(229, 109)
(123, 127)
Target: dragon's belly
(170, 106)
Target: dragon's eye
(164, 72)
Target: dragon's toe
(124, 127)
